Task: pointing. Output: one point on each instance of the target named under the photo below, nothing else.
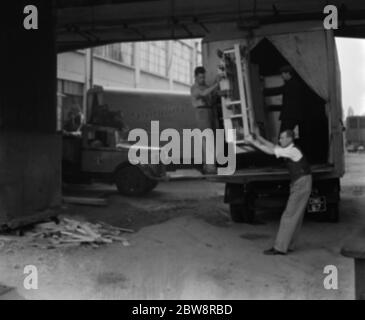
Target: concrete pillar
(170, 62)
(137, 64)
(194, 60)
(355, 248)
(30, 149)
(89, 76)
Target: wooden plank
(47, 225)
(115, 228)
(68, 233)
(89, 231)
(105, 240)
(117, 238)
(80, 237)
(8, 238)
(86, 201)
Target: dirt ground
(186, 247)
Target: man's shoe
(273, 251)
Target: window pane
(121, 52)
(127, 53)
(153, 57)
(182, 62)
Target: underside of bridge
(91, 22)
(30, 148)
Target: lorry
(252, 57)
(99, 151)
(140, 107)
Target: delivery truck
(251, 59)
(140, 107)
(97, 149)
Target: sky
(351, 54)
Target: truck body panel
(139, 107)
(315, 49)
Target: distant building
(355, 131)
(350, 112)
(165, 65)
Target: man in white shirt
(300, 188)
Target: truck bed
(320, 171)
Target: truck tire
(241, 212)
(151, 185)
(131, 181)
(332, 213)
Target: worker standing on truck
(201, 98)
(300, 188)
(293, 92)
(302, 109)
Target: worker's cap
(287, 68)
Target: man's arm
(262, 140)
(198, 93)
(208, 91)
(267, 148)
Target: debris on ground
(67, 232)
(85, 201)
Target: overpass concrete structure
(30, 148)
(91, 22)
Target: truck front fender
(153, 172)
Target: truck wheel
(332, 213)
(131, 181)
(241, 213)
(151, 185)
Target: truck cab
(99, 151)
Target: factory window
(121, 52)
(153, 57)
(100, 51)
(182, 56)
(127, 53)
(199, 60)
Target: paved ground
(186, 247)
